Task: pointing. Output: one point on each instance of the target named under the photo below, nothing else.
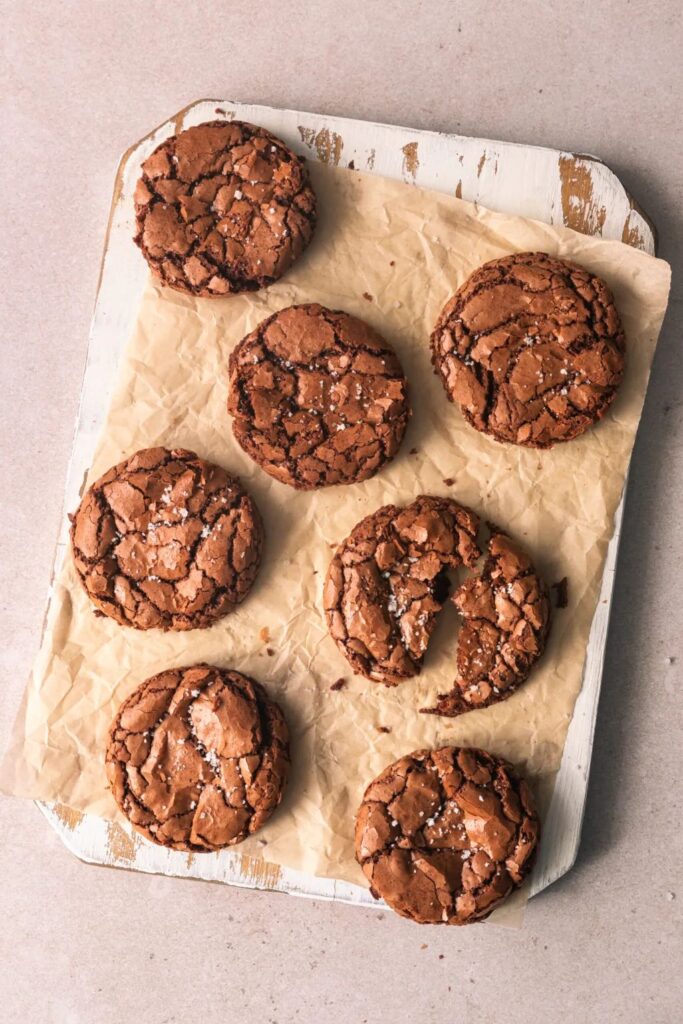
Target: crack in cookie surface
(198, 758)
(317, 397)
(532, 349)
(166, 540)
(443, 836)
(223, 207)
(387, 583)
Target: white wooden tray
(558, 188)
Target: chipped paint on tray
(120, 843)
(260, 871)
(580, 211)
(411, 161)
(326, 144)
(68, 816)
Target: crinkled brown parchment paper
(393, 254)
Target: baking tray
(577, 191)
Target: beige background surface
(81, 945)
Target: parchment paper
(407, 249)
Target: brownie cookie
(506, 612)
(387, 584)
(318, 397)
(198, 758)
(223, 207)
(443, 836)
(532, 349)
(165, 540)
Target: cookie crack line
(530, 365)
(208, 768)
(317, 397)
(443, 836)
(223, 207)
(387, 584)
(166, 540)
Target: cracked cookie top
(166, 540)
(532, 349)
(198, 758)
(388, 582)
(443, 836)
(223, 207)
(317, 397)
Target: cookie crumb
(264, 634)
(561, 592)
(671, 896)
(339, 685)
(392, 263)
(413, 451)
(270, 652)
(351, 165)
(449, 481)
(424, 946)
(382, 728)
(367, 296)
(670, 660)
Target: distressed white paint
(510, 178)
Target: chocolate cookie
(387, 584)
(443, 836)
(532, 349)
(223, 207)
(388, 581)
(506, 612)
(165, 540)
(318, 397)
(198, 758)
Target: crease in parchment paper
(409, 249)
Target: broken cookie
(223, 207)
(317, 397)
(444, 836)
(166, 540)
(506, 613)
(388, 582)
(531, 348)
(198, 758)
